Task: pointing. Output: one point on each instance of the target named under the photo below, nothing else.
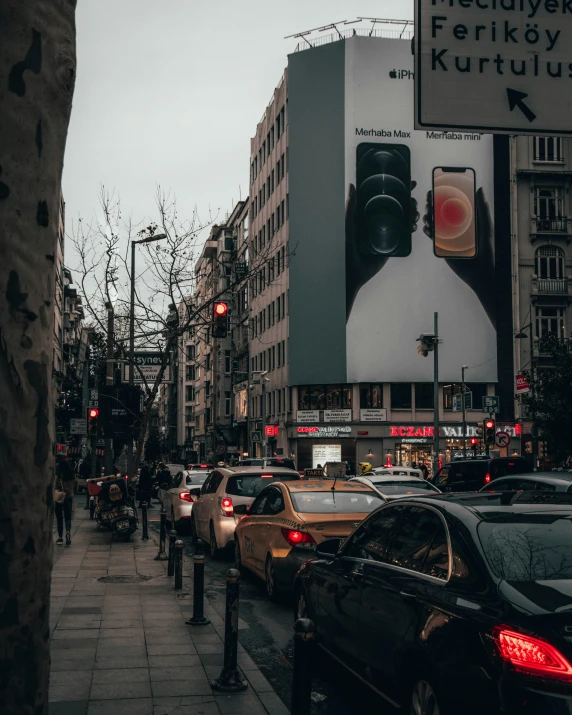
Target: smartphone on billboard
(383, 210)
(454, 221)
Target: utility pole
(436, 396)
(109, 381)
(463, 368)
(263, 435)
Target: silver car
(213, 518)
(180, 496)
(397, 487)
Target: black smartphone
(454, 221)
(383, 184)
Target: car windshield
(394, 473)
(415, 486)
(531, 547)
(196, 478)
(335, 502)
(286, 463)
(250, 485)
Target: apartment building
(542, 230)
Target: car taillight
(186, 496)
(298, 538)
(203, 466)
(531, 655)
(226, 506)
(487, 478)
(266, 476)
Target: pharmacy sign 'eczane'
(501, 66)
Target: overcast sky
(170, 93)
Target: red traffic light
(489, 424)
(93, 413)
(220, 309)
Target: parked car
(535, 481)
(270, 462)
(390, 488)
(452, 603)
(200, 467)
(279, 531)
(179, 498)
(471, 474)
(213, 518)
(391, 472)
(175, 468)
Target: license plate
(123, 524)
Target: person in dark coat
(145, 484)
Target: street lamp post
(149, 239)
(522, 335)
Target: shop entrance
(407, 454)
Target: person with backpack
(63, 498)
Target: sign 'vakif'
(494, 65)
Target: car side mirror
(241, 509)
(196, 492)
(328, 549)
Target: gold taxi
(279, 530)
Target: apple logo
(393, 74)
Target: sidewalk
(121, 646)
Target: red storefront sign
(271, 430)
(522, 385)
(411, 431)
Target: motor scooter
(112, 506)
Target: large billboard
(388, 225)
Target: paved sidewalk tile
(120, 646)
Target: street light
(148, 239)
(522, 335)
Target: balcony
(550, 286)
(550, 225)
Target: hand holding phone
(454, 212)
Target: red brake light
(295, 538)
(186, 496)
(531, 655)
(266, 476)
(487, 478)
(227, 507)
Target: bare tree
(166, 304)
(37, 75)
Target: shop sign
(522, 385)
(322, 431)
(406, 440)
(337, 415)
(307, 416)
(411, 431)
(271, 430)
(324, 453)
(447, 431)
(373, 415)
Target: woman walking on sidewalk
(65, 488)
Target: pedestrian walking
(63, 498)
(145, 484)
(424, 470)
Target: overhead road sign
(498, 66)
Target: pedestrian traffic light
(490, 432)
(474, 441)
(92, 420)
(383, 182)
(220, 320)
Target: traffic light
(474, 441)
(383, 181)
(92, 420)
(490, 432)
(220, 320)
(426, 344)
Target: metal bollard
(198, 618)
(172, 539)
(145, 536)
(86, 497)
(162, 556)
(303, 657)
(178, 565)
(230, 679)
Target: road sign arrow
(515, 100)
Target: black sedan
(533, 481)
(455, 603)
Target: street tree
(37, 76)
(549, 403)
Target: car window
(215, 482)
(414, 542)
(404, 486)
(544, 487)
(250, 485)
(177, 480)
(252, 463)
(258, 505)
(205, 487)
(443, 475)
(274, 502)
(373, 538)
(335, 502)
(287, 463)
(195, 479)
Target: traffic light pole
(436, 397)
(463, 368)
(263, 435)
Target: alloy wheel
(423, 699)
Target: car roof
(326, 485)
(255, 469)
(394, 478)
(540, 476)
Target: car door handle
(408, 594)
(357, 574)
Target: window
(550, 321)
(448, 392)
(549, 262)
(190, 352)
(273, 230)
(207, 388)
(227, 361)
(401, 396)
(282, 166)
(227, 403)
(189, 393)
(189, 414)
(208, 419)
(190, 372)
(274, 502)
(228, 243)
(273, 356)
(271, 270)
(272, 182)
(424, 395)
(208, 362)
(549, 208)
(282, 211)
(373, 539)
(420, 542)
(547, 149)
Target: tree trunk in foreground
(37, 74)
